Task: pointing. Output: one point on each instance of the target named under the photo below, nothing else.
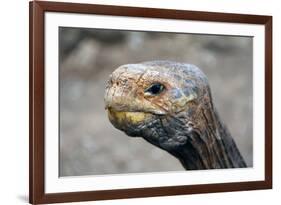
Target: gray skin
(169, 104)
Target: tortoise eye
(155, 89)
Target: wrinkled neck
(212, 148)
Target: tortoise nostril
(121, 82)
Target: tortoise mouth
(128, 116)
(131, 122)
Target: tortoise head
(155, 100)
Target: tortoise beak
(123, 119)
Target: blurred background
(89, 144)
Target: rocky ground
(89, 144)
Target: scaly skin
(180, 119)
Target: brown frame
(36, 101)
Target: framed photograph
(138, 102)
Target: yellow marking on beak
(121, 117)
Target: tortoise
(169, 104)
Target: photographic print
(186, 99)
(130, 102)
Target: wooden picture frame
(38, 9)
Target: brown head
(156, 97)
